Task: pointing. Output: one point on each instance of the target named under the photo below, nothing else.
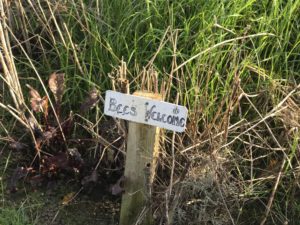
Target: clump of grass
(14, 216)
(234, 64)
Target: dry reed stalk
(24, 20)
(7, 61)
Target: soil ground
(47, 206)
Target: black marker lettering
(163, 118)
(125, 110)
(133, 111)
(158, 117)
(119, 108)
(149, 112)
(176, 121)
(153, 116)
(112, 104)
(182, 122)
(170, 119)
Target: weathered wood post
(147, 112)
(142, 150)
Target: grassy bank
(234, 64)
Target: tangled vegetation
(234, 64)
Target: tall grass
(234, 64)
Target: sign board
(144, 110)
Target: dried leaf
(38, 104)
(57, 85)
(68, 198)
(91, 100)
(56, 162)
(118, 188)
(45, 106)
(33, 93)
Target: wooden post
(146, 112)
(141, 158)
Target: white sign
(144, 110)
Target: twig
(207, 140)
(178, 191)
(271, 199)
(224, 202)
